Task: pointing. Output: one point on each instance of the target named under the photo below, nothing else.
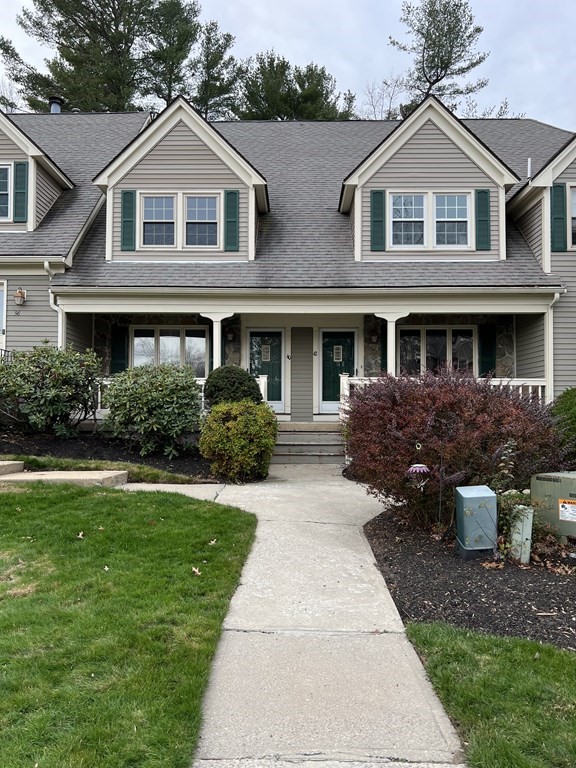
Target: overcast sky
(531, 45)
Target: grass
(512, 700)
(106, 632)
(137, 473)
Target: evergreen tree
(216, 74)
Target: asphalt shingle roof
(80, 145)
(303, 242)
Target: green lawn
(513, 701)
(106, 630)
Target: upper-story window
(4, 192)
(158, 220)
(408, 220)
(202, 220)
(430, 220)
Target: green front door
(266, 360)
(337, 358)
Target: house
(308, 252)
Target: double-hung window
(158, 220)
(202, 220)
(573, 215)
(451, 219)
(4, 192)
(408, 220)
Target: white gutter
(59, 311)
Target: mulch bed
(430, 582)
(93, 445)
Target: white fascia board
(524, 200)
(449, 125)
(548, 174)
(178, 111)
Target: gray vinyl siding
(47, 192)
(36, 321)
(530, 224)
(565, 324)
(10, 153)
(79, 331)
(181, 162)
(301, 377)
(430, 162)
(530, 346)
(568, 175)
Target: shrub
(465, 431)
(239, 440)
(564, 410)
(230, 384)
(154, 407)
(49, 389)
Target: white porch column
(391, 319)
(549, 350)
(216, 318)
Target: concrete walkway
(313, 665)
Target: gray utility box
(476, 531)
(553, 496)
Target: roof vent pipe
(55, 103)
(529, 169)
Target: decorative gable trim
(181, 111)
(431, 109)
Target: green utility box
(476, 515)
(553, 495)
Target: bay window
(429, 349)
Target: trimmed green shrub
(49, 389)
(239, 440)
(463, 430)
(230, 384)
(564, 410)
(154, 407)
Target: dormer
(431, 191)
(181, 192)
(30, 182)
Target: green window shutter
(377, 220)
(486, 349)
(231, 220)
(21, 192)
(128, 221)
(118, 348)
(558, 211)
(483, 220)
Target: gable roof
(32, 149)
(304, 243)
(180, 110)
(430, 109)
(79, 144)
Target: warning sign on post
(567, 510)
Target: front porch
(306, 360)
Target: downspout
(59, 311)
(549, 349)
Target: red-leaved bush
(458, 427)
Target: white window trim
(180, 220)
(572, 191)
(430, 220)
(10, 169)
(448, 329)
(182, 329)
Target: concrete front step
(309, 443)
(103, 478)
(10, 467)
(307, 458)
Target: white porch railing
(262, 383)
(529, 387)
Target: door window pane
(410, 352)
(143, 351)
(463, 350)
(435, 350)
